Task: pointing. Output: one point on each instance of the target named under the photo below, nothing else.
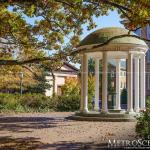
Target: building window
(148, 32)
(138, 32)
(112, 84)
(124, 85)
(121, 85)
(59, 90)
(148, 56)
(121, 73)
(124, 73)
(148, 81)
(112, 74)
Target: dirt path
(51, 131)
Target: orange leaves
(75, 40)
(85, 12)
(131, 26)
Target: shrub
(68, 103)
(143, 123)
(8, 101)
(70, 100)
(25, 103)
(38, 103)
(34, 100)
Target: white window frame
(148, 55)
(121, 85)
(124, 73)
(148, 81)
(112, 74)
(121, 73)
(124, 85)
(148, 31)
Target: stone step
(107, 119)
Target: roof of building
(67, 68)
(102, 35)
(71, 66)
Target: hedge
(38, 103)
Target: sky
(112, 20)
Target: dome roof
(102, 35)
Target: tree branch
(64, 56)
(111, 39)
(110, 3)
(29, 69)
(34, 60)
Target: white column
(130, 82)
(118, 84)
(104, 83)
(85, 83)
(142, 82)
(96, 107)
(136, 84)
(82, 75)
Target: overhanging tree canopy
(31, 29)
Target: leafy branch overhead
(31, 31)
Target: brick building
(145, 33)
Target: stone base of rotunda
(109, 117)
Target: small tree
(71, 87)
(91, 90)
(41, 85)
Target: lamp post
(21, 81)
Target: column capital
(142, 55)
(105, 52)
(130, 53)
(117, 60)
(96, 58)
(136, 56)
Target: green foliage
(25, 103)
(91, 90)
(8, 101)
(71, 93)
(34, 100)
(41, 85)
(53, 21)
(71, 87)
(38, 103)
(68, 103)
(91, 66)
(143, 123)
